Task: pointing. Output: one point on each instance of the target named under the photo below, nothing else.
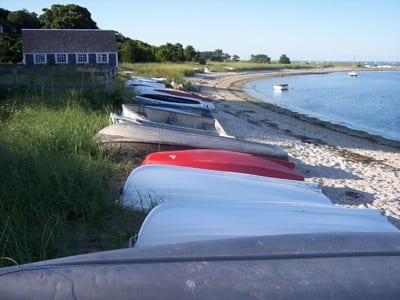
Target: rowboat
(172, 223)
(281, 87)
(144, 138)
(223, 160)
(173, 97)
(172, 117)
(294, 266)
(150, 185)
(141, 84)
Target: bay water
(369, 102)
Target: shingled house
(70, 47)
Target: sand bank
(354, 169)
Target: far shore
(354, 169)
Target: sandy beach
(354, 169)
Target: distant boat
(353, 73)
(149, 138)
(223, 160)
(176, 98)
(281, 87)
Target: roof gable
(68, 40)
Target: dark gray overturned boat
(144, 138)
(294, 266)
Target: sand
(354, 169)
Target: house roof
(68, 40)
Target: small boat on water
(149, 185)
(173, 223)
(144, 138)
(173, 117)
(281, 87)
(293, 266)
(173, 97)
(353, 73)
(223, 160)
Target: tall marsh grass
(56, 193)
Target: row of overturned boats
(225, 218)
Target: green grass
(57, 187)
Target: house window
(61, 58)
(82, 58)
(39, 59)
(102, 58)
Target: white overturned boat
(176, 98)
(173, 223)
(170, 117)
(294, 266)
(281, 87)
(142, 84)
(150, 185)
(144, 138)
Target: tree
(260, 58)
(68, 16)
(170, 52)
(284, 59)
(190, 53)
(135, 51)
(10, 48)
(235, 57)
(23, 19)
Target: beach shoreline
(353, 168)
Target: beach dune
(354, 169)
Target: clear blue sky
(325, 30)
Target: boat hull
(129, 136)
(306, 266)
(150, 185)
(173, 223)
(223, 160)
(172, 117)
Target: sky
(308, 30)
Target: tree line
(73, 16)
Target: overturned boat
(144, 139)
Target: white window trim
(82, 62)
(101, 61)
(42, 62)
(61, 62)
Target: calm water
(369, 102)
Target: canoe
(223, 160)
(173, 97)
(149, 185)
(172, 117)
(296, 266)
(194, 221)
(142, 138)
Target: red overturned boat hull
(222, 160)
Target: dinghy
(176, 98)
(294, 266)
(150, 185)
(142, 138)
(172, 223)
(223, 160)
(169, 116)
